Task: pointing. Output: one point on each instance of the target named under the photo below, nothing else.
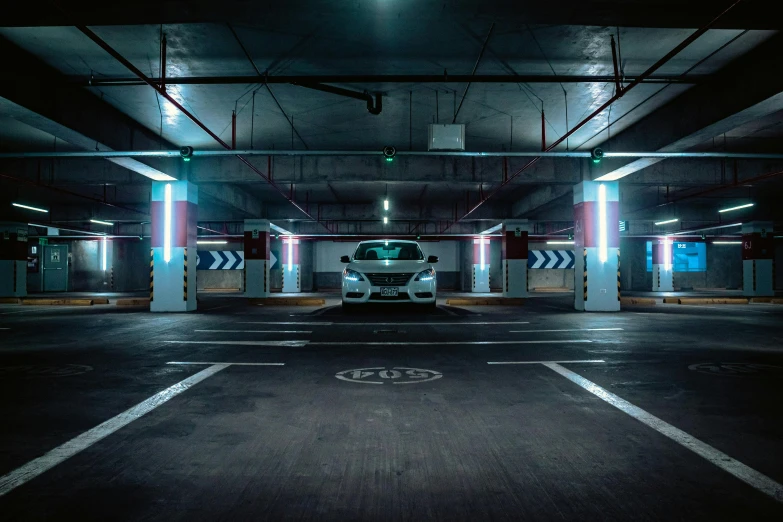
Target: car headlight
(352, 275)
(427, 275)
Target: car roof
(384, 240)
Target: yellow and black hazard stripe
(584, 257)
(618, 274)
(185, 277)
(152, 274)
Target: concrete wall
(549, 277)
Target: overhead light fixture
(559, 242)
(737, 208)
(666, 222)
(727, 242)
(385, 220)
(105, 244)
(98, 221)
(167, 224)
(684, 232)
(210, 242)
(597, 155)
(481, 251)
(667, 253)
(603, 242)
(290, 253)
(28, 207)
(385, 204)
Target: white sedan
(389, 271)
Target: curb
(57, 302)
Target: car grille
(389, 279)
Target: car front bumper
(420, 292)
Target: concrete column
(13, 259)
(257, 263)
(663, 271)
(291, 265)
(597, 246)
(174, 213)
(758, 259)
(480, 278)
(515, 243)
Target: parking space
(462, 413)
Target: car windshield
(388, 250)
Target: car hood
(389, 266)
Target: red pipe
(639, 79)
(163, 63)
(543, 131)
(234, 130)
(117, 56)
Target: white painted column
(663, 269)
(597, 246)
(174, 212)
(758, 259)
(481, 261)
(13, 259)
(291, 265)
(515, 253)
(257, 262)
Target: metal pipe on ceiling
(657, 65)
(385, 78)
(117, 56)
(342, 153)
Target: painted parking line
(570, 330)
(745, 473)
(258, 331)
(229, 363)
(81, 442)
(320, 323)
(293, 344)
(439, 343)
(441, 323)
(544, 362)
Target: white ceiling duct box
(446, 136)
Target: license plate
(390, 291)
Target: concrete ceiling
(392, 37)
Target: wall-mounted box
(446, 136)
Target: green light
(185, 159)
(597, 160)
(389, 159)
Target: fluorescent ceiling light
(727, 242)
(491, 230)
(559, 242)
(205, 242)
(683, 232)
(385, 204)
(667, 222)
(28, 207)
(102, 222)
(385, 220)
(736, 208)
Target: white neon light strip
(385, 204)
(481, 251)
(211, 242)
(385, 220)
(736, 208)
(559, 242)
(667, 222)
(105, 246)
(727, 242)
(603, 248)
(167, 225)
(28, 207)
(290, 254)
(667, 254)
(98, 221)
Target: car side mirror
(432, 259)
(345, 259)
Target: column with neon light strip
(596, 246)
(257, 258)
(291, 266)
(515, 243)
(663, 272)
(758, 259)
(174, 213)
(480, 277)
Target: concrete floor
(457, 439)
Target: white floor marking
(320, 323)
(293, 344)
(544, 362)
(441, 323)
(570, 330)
(439, 343)
(229, 363)
(4, 328)
(746, 474)
(81, 442)
(259, 331)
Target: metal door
(55, 268)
